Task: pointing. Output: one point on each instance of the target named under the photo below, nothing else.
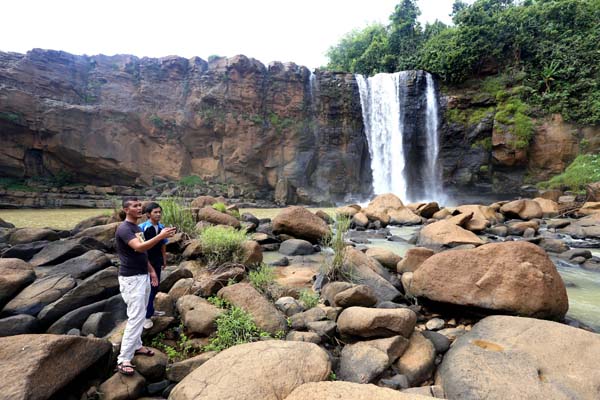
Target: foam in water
(389, 106)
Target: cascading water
(400, 116)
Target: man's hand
(153, 279)
(167, 233)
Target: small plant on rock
(333, 267)
(308, 298)
(262, 277)
(233, 327)
(174, 213)
(222, 244)
(221, 207)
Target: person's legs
(153, 291)
(135, 291)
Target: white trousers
(135, 291)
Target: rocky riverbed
(463, 302)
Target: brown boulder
(105, 234)
(152, 368)
(203, 201)
(339, 390)
(121, 387)
(480, 212)
(592, 191)
(15, 274)
(179, 370)
(376, 322)
(385, 257)
(445, 233)
(427, 210)
(29, 235)
(359, 295)
(209, 214)
(523, 209)
(417, 362)
(360, 219)
(36, 366)
(198, 315)
(268, 370)
(379, 206)
(324, 216)
(404, 216)
(252, 253)
(549, 207)
(515, 277)
(413, 259)
(347, 211)
(301, 224)
(589, 208)
(367, 271)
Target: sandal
(144, 351)
(126, 369)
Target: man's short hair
(127, 200)
(151, 206)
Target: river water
(583, 287)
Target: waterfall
(400, 116)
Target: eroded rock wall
(131, 121)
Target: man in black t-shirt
(136, 275)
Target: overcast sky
(282, 30)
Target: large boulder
(359, 295)
(413, 259)
(15, 274)
(105, 234)
(28, 235)
(592, 191)
(301, 224)
(506, 357)
(252, 253)
(39, 294)
(82, 266)
(36, 366)
(121, 387)
(523, 209)
(376, 322)
(417, 362)
(404, 216)
(63, 250)
(101, 285)
(203, 201)
(446, 234)
(25, 251)
(179, 370)
(198, 315)
(114, 307)
(515, 277)
(367, 271)
(385, 257)
(549, 208)
(268, 370)
(18, 325)
(348, 390)
(264, 313)
(296, 247)
(209, 214)
(90, 222)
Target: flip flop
(144, 351)
(126, 369)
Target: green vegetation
(333, 266)
(550, 47)
(583, 170)
(485, 144)
(222, 244)
(235, 326)
(479, 114)
(280, 124)
(10, 117)
(191, 181)
(175, 213)
(308, 298)
(512, 113)
(221, 207)
(157, 121)
(262, 278)
(181, 349)
(14, 184)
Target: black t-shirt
(132, 262)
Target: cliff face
(130, 121)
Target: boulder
(387, 201)
(39, 294)
(376, 322)
(325, 329)
(523, 209)
(516, 277)
(101, 285)
(360, 219)
(549, 207)
(209, 214)
(25, 251)
(310, 337)
(512, 362)
(296, 247)
(98, 324)
(349, 390)
(413, 259)
(480, 212)
(359, 295)
(363, 362)
(90, 222)
(15, 274)
(179, 370)
(268, 370)
(37, 366)
(209, 283)
(417, 362)
(446, 234)
(427, 210)
(104, 234)
(171, 275)
(589, 208)
(203, 201)
(114, 306)
(519, 227)
(367, 271)
(28, 235)
(404, 216)
(181, 288)
(82, 266)
(264, 313)
(252, 253)
(301, 320)
(347, 211)
(300, 223)
(192, 250)
(592, 191)
(198, 315)
(289, 306)
(324, 216)
(152, 368)
(60, 251)
(18, 325)
(5, 224)
(121, 387)
(385, 257)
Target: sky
(268, 30)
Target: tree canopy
(551, 45)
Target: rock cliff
(271, 130)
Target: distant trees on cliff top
(548, 48)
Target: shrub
(182, 348)
(333, 268)
(220, 207)
(222, 244)
(174, 213)
(308, 298)
(583, 170)
(234, 327)
(191, 181)
(262, 278)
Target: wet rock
(296, 247)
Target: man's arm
(163, 249)
(140, 247)
(153, 276)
